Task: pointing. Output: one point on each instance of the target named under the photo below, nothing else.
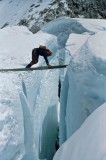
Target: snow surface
(89, 142)
(29, 100)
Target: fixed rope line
(31, 69)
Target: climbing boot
(28, 66)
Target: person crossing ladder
(41, 51)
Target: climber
(41, 51)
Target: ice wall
(84, 87)
(28, 130)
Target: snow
(13, 11)
(94, 25)
(21, 94)
(98, 47)
(77, 40)
(89, 142)
(29, 101)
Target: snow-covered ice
(85, 80)
(26, 98)
(89, 142)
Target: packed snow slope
(28, 100)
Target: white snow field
(29, 100)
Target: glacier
(29, 112)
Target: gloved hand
(49, 53)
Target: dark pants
(35, 57)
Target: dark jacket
(43, 52)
